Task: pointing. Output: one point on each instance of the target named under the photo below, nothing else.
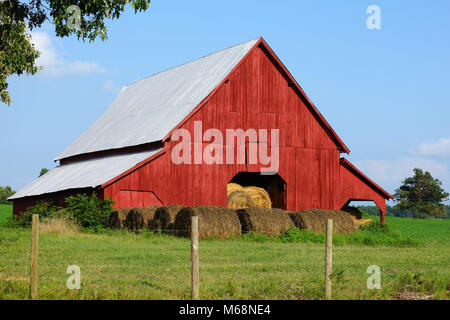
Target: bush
(42, 208)
(89, 211)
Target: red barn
(128, 154)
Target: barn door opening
(273, 184)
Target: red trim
(361, 175)
(132, 169)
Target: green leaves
(18, 55)
(422, 194)
(89, 211)
(5, 193)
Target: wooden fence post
(328, 258)
(194, 258)
(34, 257)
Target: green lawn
(5, 212)
(119, 265)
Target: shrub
(89, 211)
(42, 208)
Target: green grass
(5, 212)
(120, 265)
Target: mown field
(120, 265)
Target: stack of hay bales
(316, 220)
(266, 221)
(139, 218)
(164, 218)
(117, 218)
(239, 197)
(213, 222)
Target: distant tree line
(403, 213)
(5, 193)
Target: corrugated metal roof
(83, 174)
(147, 110)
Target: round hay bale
(155, 225)
(117, 218)
(260, 197)
(239, 200)
(316, 220)
(165, 217)
(353, 211)
(138, 218)
(232, 187)
(266, 221)
(213, 222)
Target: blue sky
(385, 92)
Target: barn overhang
(82, 174)
(356, 186)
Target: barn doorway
(273, 184)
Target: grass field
(120, 265)
(5, 212)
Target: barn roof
(146, 110)
(149, 109)
(83, 174)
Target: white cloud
(435, 148)
(53, 62)
(390, 173)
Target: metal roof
(83, 174)
(147, 110)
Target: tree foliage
(17, 18)
(43, 171)
(5, 193)
(421, 194)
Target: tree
(5, 193)
(421, 194)
(84, 18)
(43, 171)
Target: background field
(120, 265)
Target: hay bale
(353, 211)
(239, 200)
(213, 222)
(138, 218)
(260, 197)
(164, 217)
(271, 222)
(232, 187)
(361, 222)
(117, 218)
(316, 220)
